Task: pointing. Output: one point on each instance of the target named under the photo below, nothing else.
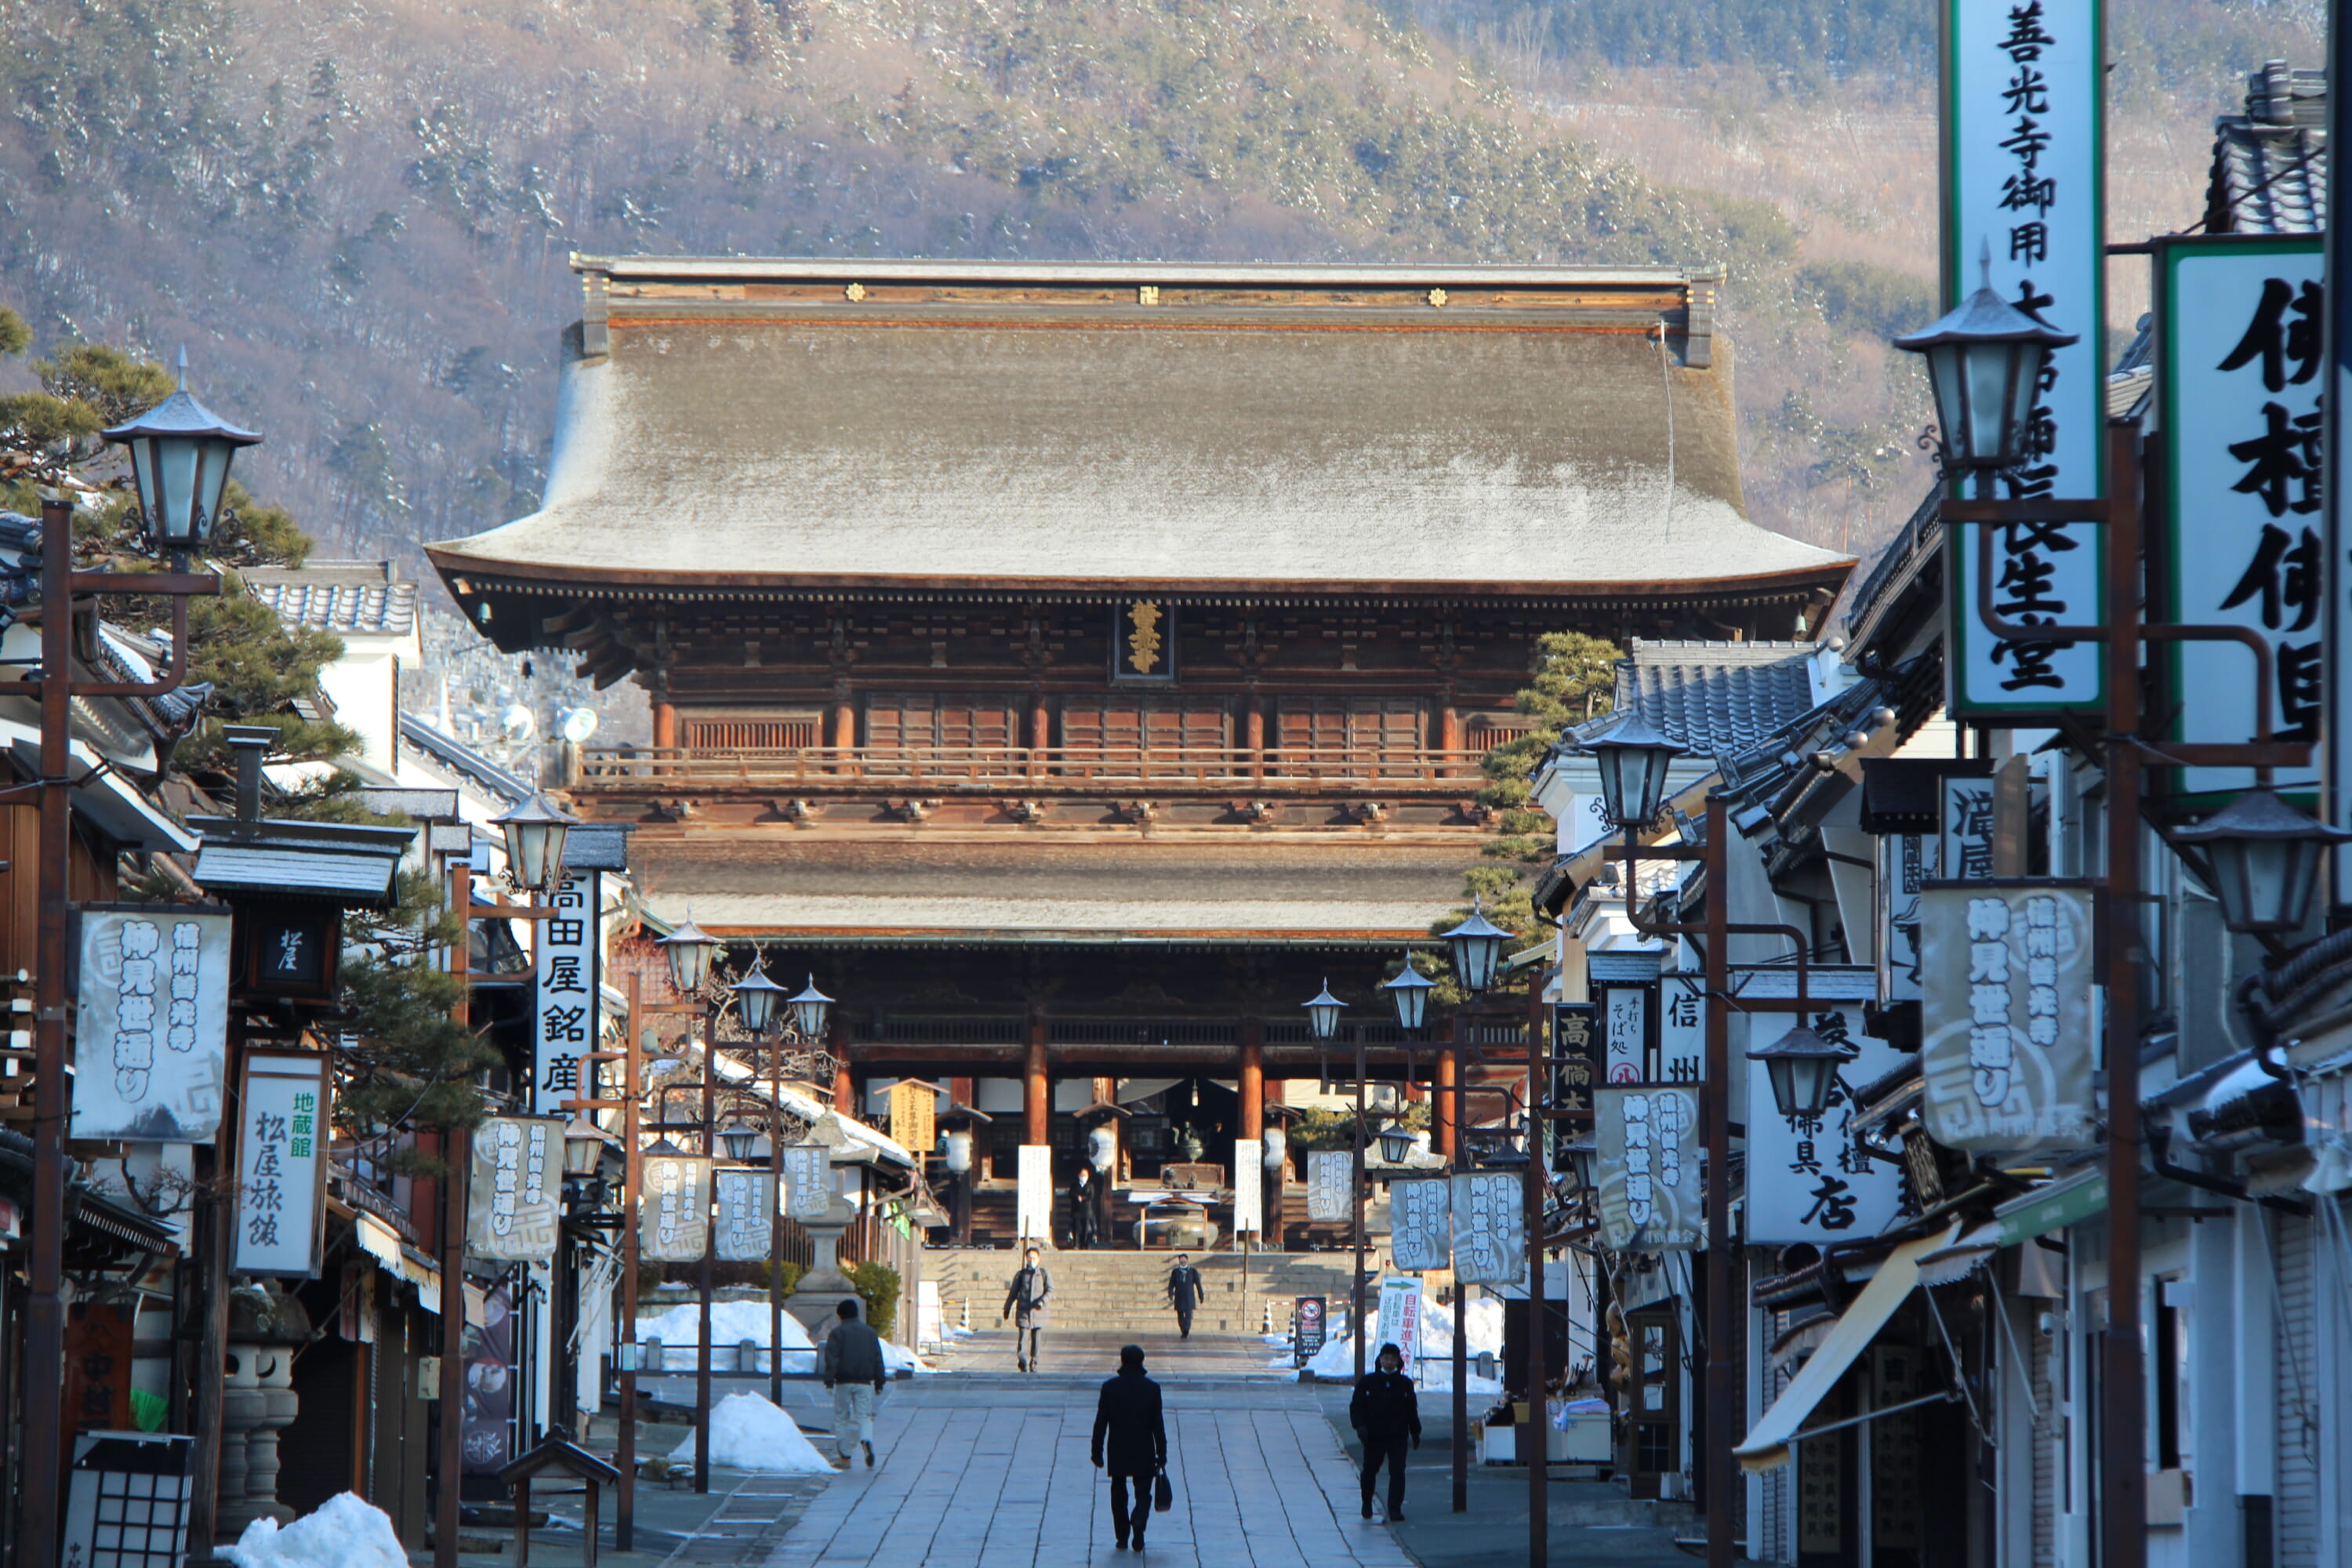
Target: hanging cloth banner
(674, 1215)
(1330, 1184)
(2022, 180)
(515, 1202)
(2005, 1024)
(1249, 1218)
(808, 1181)
(1490, 1233)
(1420, 1223)
(747, 1213)
(1648, 1154)
(150, 1036)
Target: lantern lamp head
(1584, 1151)
(757, 1000)
(690, 950)
(811, 1009)
(1396, 1143)
(1633, 756)
(583, 1146)
(180, 453)
(740, 1140)
(1477, 948)
(1803, 1069)
(1323, 1011)
(2261, 857)
(1410, 991)
(1985, 362)
(536, 832)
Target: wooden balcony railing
(1025, 767)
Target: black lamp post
(1803, 1069)
(180, 453)
(2261, 857)
(535, 834)
(1984, 364)
(1476, 946)
(1633, 757)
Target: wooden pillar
(1041, 723)
(1449, 724)
(1442, 1110)
(665, 724)
(1253, 1078)
(1036, 1090)
(844, 1090)
(1254, 726)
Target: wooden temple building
(1074, 665)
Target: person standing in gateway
(850, 1364)
(1024, 1303)
(1185, 1293)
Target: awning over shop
(1768, 1444)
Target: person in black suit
(1185, 1293)
(1127, 1415)
(1385, 1412)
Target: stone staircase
(1110, 1292)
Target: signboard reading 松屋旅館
(282, 1163)
(2243, 341)
(2022, 186)
(2005, 1021)
(151, 1036)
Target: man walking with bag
(850, 1362)
(1385, 1412)
(1127, 1414)
(1185, 1293)
(1027, 1294)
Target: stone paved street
(994, 1471)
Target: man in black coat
(1185, 1293)
(1385, 1412)
(1127, 1413)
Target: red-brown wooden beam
(1036, 1090)
(1444, 1106)
(1253, 1078)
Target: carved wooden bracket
(1023, 810)
(1138, 812)
(909, 811)
(1256, 812)
(799, 813)
(1369, 812)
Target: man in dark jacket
(1185, 1293)
(1128, 1413)
(1385, 1412)
(1027, 1293)
(850, 1362)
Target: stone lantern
(257, 1403)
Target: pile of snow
(898, 1358)
(1336, 1359)
(747, 1433)
(346, 1533)
(731, 1322)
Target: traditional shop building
(1074, 665)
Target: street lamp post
(1475, 946)
(624, 1339)
(181, 454)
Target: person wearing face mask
(1385, 1412)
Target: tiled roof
(1713, 697)
(337, 596)
(2270, 164)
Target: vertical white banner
(747, 1209)
(565, 994)
(150, 1036)
(1035, 1200)
(1490, 1233)
(1249, 1157)
(1625, 1033)
(1682, 1027)
(2023, 130)
(674, 1212)
(1330, 1183)
(282, 1163)
(808, 1181)
(1809, 1182)
(2237, 543)
(1421, 1226)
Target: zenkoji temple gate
(1074, 665)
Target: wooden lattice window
(1358, 726)
(1121, 725)
(750, 731)
(924, 720)
(1484, 731)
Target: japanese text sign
(2006, 1049)
(913, 1109)
(1330, 1184)
(747, 1215)
(1625, 1031)
(1682, 1027)
(1399, 1322)
(1420, 1229)
(1648, 1156)
(674, 1212)
(1490, 1233)
(1807, 1181)
(151, 1038)
(808, 1181)
(282, 1163)
(2023, 181)
(515, 1202)
(2241, 340)
(1249, 1203)
(565, 998)
(1575, 1052)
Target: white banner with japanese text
(674, 1215)
(1033, 1196)
(1807, 1181)
(282, 1163)
(1330, 1183)
(808, 1181)
(151, 1035)
(2242, 342)
(1421, 1225)
(1249, 1162)
(2005, 1050)
(747, 1215)
(1490, 1232)
(515, 1200)
(1625, 1032)
(1648, 1159)
(565, 998)
(2022, 184)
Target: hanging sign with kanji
(515, 1200)
(2005, 1022)
(1330, 1184)
(151, 1036)
(2023, 173)
(1421, 1224)
(1807, 1180)
(913, 1106)
(808, 1181)
(1682, 1026)
(282, 1163)
(674, 1212)
(2242, 343)
(1648, 1159)
(747, 1215)
(1490, 1232)
(565, 998)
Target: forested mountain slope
(356, 213)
